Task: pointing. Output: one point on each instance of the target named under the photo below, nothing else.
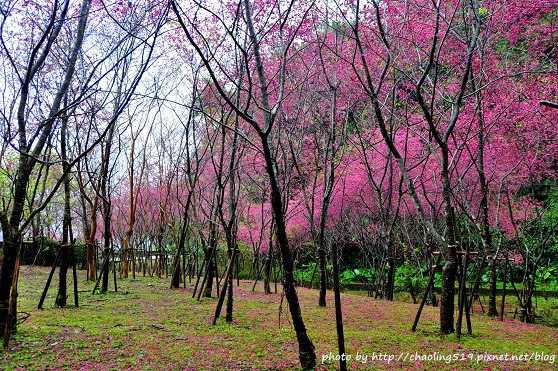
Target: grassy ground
(147, 326)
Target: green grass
(147, 326)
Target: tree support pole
(462, 296)
(199, 276)
(216, 273)
(105, 262)
(426, 292)
(504, 288)
(206, 272)
(43, 296)
(338, 313)
(224, 288)
(184, 268)
(74, 263)
(74, 275)
(477, 282)
(259, 275)
(114, 269)
(238, 270)
(468, 316)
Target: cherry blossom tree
(44, 62)
(256, 108)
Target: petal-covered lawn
(147, 326)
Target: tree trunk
(105, 271)
(323, 276)
(306, 348)
(229, 316)
(391, 278)
(267, 275)
(107, 220)
(447, 297)
(62, 281)
(267, 266)
(65, 253)
(492, 307)
(210, 271)
(338, 312)
(449, 274)
(7, 267)
(485, 222)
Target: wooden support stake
(462, 297)
(74, 275)
(74, 263)
(504, 288)
(468, 316)
(199, 276)
(216, 273)
(224, 288)
(426, 292)
(105, 262)
(114, 270)
(184, 267)
(206, 273)
(257, 277)
(477, 282)
(238, 269)
(338, 312)
(43, 296)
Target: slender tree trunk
(338, 311)
(390, 278)
(62, 295)
(268, 260)
(485, 223)
(105, 271)
(229, 315)
(306, 348)
(449, 271)
(492, 307)
(65, 253)
(7, 267)
(91, 245)
(322, 270)
(208, 288)
(107, 211)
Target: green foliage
(409, 275)
(547, 278)
(304, 272)
(357, 275)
